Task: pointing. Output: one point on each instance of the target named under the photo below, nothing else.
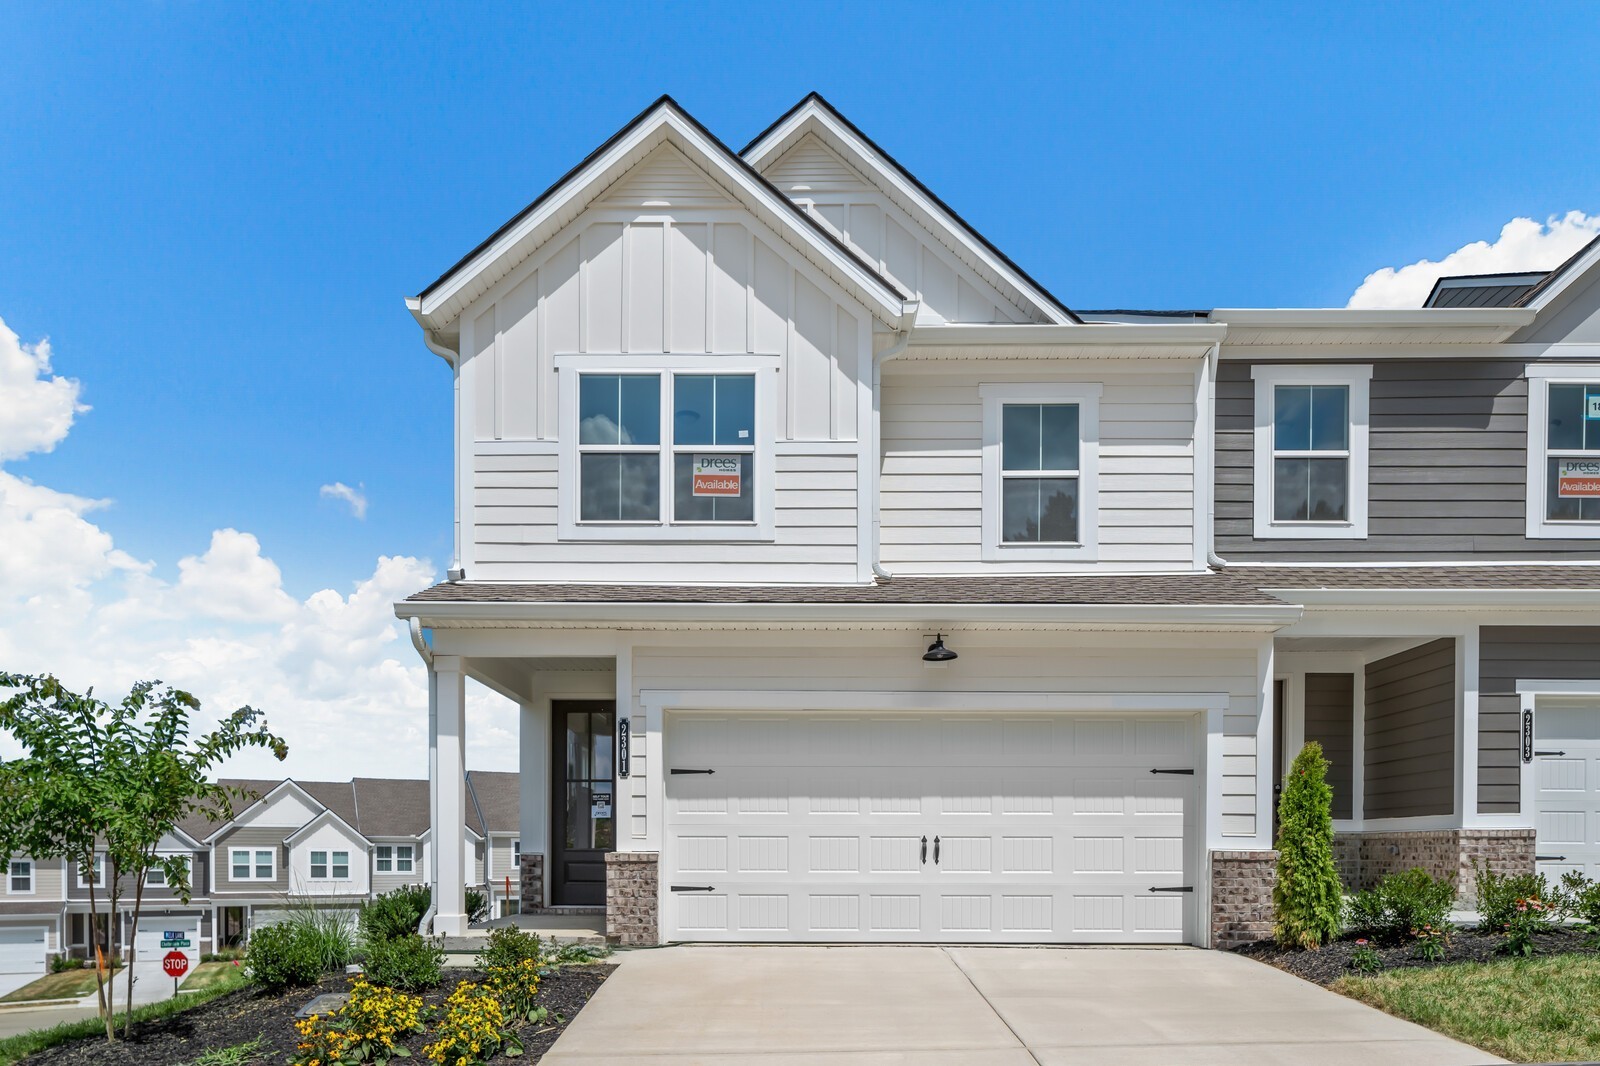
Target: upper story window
(247, 864)
(156, 877)
(1040, 463)
(679, 454)
(1563, 451)
(330, 864)
(1311, 451)
(21, 882)
(97, 877)
(393, 858)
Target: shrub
(477, 904)
(473, 1029)
(506, 947)
(368, 1028)
(277, 958)
(61, 964)
(394, 914)
(1307, 900)
(1518, 907)
(326, 934)
(225, 955)
(1582, 897)
(1401, 905)
(410, 963)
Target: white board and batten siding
(664, 264)
(883, 234)
(932, 485)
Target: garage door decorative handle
(1185, 888)
(1189, 771)
(936, 851)
(1549, 753)
(675, 770)
(924, 851)
(694, 888)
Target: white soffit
(1258, 327)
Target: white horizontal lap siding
(932, 483)
(515, 529)
(989, 662)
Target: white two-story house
(854, 588)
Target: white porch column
(448, 793)
(533, 781)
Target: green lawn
(68, 984)
(213, 974)
(1526, 1010)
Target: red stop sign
(175, 963)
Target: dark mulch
(1332, 962)
(243, 1016)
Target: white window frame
(188, 861)
(272, 856)
(1086, 395)
(334, 864)
(378, 857)
(1540, 377)
(33, 878)
(312, 864)
(1358, 380)
(99, 872)
(410, 858)
(664, 529)
(516, 855)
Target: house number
(1527, 736)
(622, 747)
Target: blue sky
(214, 211)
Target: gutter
(1091, 334)
(908, 321)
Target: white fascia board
(326, 816)
(239, 816)
(1376, 318)
(667, 615)
(1193, 339)
(1585, 600)
(892, 182)
(442, 304)
(1587, 260)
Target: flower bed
(245, 1016)
(1340, 958)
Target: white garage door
(930, 827)
(153, 931)
(22, 950)
(1567, 788)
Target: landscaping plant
(1583, 902)
(1517, 907)
(410, 963)
(1401, 905)
(278, 958)
(1365, 959)
(327, 934)
(1432, 942)
(473, 1030)
(394, 914)
(103, 782)
(477, 904)
(506, 947)
(367, 1029)
(1307, 899)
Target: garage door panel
(1567, 789)
(944, 828)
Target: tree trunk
(133, 938)
(102, 993)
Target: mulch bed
(1332, 962)
(245, 1015)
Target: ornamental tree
(1307, 900)
(114, 778)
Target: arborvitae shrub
(1307, 899)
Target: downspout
(451, 356)
(1213, 560)
(426, 653)
(908, 320)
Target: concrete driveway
(877, 1006)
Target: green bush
(477, 904)
(1582, 897)
(504, 948)
(1402, 905)
(326, 934)
(408, 963)
(1500, 894)
(1307, 900)
(61, 964)
(278, 957)
(394, 914)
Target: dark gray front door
(583, 800)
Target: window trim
(99, 872)
(1086, 395)
(33, 878)
(272, 854)
(312, 864)
(188, 860)
(1540, 377)
(1357, 378)
(663, 529)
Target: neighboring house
(31, 914)
(494, 814)
(932, 610)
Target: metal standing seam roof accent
(914, 180)
(665, 100)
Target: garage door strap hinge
(1189, 771)
(1185, 888)
(694, 888)
(675, 770)
(1549, 753)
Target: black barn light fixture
(937, 652)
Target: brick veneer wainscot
(632, 895)
(1444, 853)
(532, 882)
(1241, 897)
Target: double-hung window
(248, 864)
(393, 858)
(1311, 451)
(1040, 459)
(97, 878)
(21, 882)
(676, 454)
(326, 864)
(156, 876)
(1563, 450)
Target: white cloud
(355, 497)
(1523, 244)
(335, 672)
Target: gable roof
(263, 796)
(1562, 277)
(663, 121)
(391, 807)
(814, 114)
(323, 817)
(496, 801)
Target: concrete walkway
(889, 1006)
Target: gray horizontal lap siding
(1447, 468)
(253, 837)
(1507, 654)
(1329, 720)
(1410, 732)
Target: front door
(584, 800)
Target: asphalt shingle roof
(1521, 576)
(496, 805)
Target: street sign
(175, 941)
(175, 963)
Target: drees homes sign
(1578, 477)
(718, 475)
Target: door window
(589, 801)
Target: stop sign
(175, 963)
